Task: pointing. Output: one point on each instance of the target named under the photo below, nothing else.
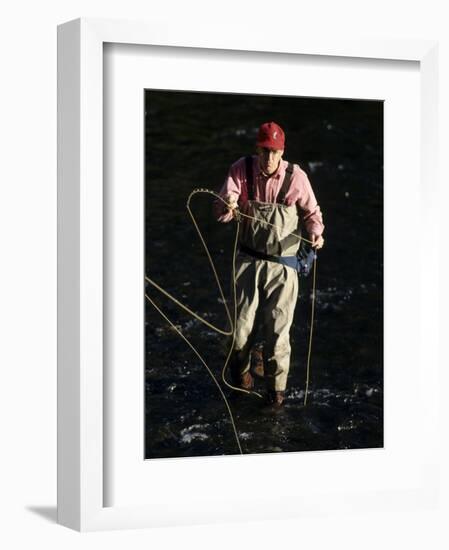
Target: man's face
(269, 159)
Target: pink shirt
(267, 188)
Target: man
(278, 197)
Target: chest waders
(266, 282)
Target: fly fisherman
(271, 190)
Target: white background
(28, 283)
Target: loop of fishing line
(232, 322)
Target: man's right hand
(231, 205)
(231, 202)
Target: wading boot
(246, 381)
(276, 399)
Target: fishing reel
(306, 256)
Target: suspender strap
(285, 184)
(249, 177)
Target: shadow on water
(191, 140)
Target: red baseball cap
(271, 135)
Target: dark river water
(191, 140)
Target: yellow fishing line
(205, 364)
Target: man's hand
(232, 205)
(317, 241)
(231, 202)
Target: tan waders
(265, 287)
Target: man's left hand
(317, 241)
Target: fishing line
(217, 279)
(205, 364)
(312, 316)
(201, 319)
(232, 322)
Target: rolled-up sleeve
(309, 208)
